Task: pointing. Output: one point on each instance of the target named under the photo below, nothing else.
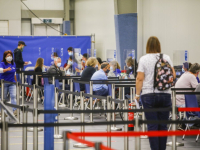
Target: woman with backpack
(155, 76)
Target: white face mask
(111, 68)
(130, 67)
(58, 64)
(9, 58)
(70, 53)
(96, 66)
(70, 62)
(52, 58)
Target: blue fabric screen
(43, 46)
(126, 35)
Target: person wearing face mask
(114, 69)
(55, 68)
(130, 66)
(101, 89)
(18, 57)
(9, 69)
(53, 56)
(83, 63)
(76, 56)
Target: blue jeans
(101, 92)
(157, 100)
(12, 90)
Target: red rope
(189, 109)
(90, 144)
(149, 133)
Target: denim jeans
(152, 101)
(12, 90)
(101, 92)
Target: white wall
(43, 5)
(175, 22)
(96, 16)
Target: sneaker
(15, 113)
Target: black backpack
(163, 75)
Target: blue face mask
(183, 70)
(130, 67)
(83, 61)
(70, 53)
(52, 58)
(58, 64)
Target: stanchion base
(58, 136)
(144, 137)
(178, 144)
(31, 129)
(80, 145)
(62, 105)
(116, 129)
(70, 118)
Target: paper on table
(29, 63)
(137, 104)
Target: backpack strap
(161, 55)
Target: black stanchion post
(137, 139)
(108, 119)
(80, 145)
(24, 134)
(18, 100)
(71, 103)
(35, 118)
(114, 128)
(56, 134)
(65, 140)
(23, 88)
(126, 144)
(98, 146)
(91, 101)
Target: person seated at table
(187, 80)
(71, 67)
(101, 89)
(114, 69)
(55, 68)
(83, 63)
(88, 71)
(9, 74)
(77, 56)
(98, 67)
(38, 68)
(130, 63)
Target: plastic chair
(76, 89)
(29, 81)
(191, 101)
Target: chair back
(191, 101)
(109, 90)
(29, 81)
(57, 83)
(76, 87)
(87, 88)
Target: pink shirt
(187, 80)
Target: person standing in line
(18, 57)
(9, 69)
(151, 97)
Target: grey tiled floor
(15, 136)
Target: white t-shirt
(147, 66)
(187, 80)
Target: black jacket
(18, 58)
(86, 75)
(54, 70)
(38, 69)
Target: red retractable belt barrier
(189, 109)
(149, 133)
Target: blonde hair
(153, 45)
(92, 61)
(39, 63)
(130, 61)
(115, 64)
